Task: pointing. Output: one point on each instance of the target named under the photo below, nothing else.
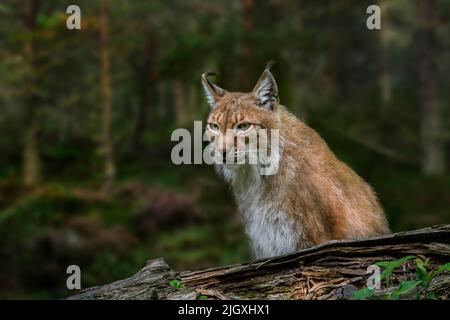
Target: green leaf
(422, 272)
(382, 264)
(394, 296)
(404, 287)
(387, 272)
(442, 268)
(202, 297)
(176, 284)
(401, 261)
(431, 296)
(363, 294)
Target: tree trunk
(433, 161)
(332, 270)
(298, 83)
(147, 95)
(194, 103)
(333, 48)
(107, 143)
(248, 48)
(385, 77)
(31, 156)
(180, 102)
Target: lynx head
(240, 125)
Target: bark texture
(107, 140)
(332, 270)
(433, 161)
(31, 156)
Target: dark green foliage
(412, 288)
(390, 266)
(363, 294)
(328, 69)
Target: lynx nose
(223, 145)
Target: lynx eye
(213, 127)
(244, 126)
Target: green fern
(420, 284)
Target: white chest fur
(271, 233)
(270, 230)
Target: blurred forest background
(86, 117)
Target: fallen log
(333, 270)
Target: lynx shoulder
(308, 197)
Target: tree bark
(247, 7)
(180, 102)
(333, 270)
(147, 95)
(433, 161)
(385, 76)
(332, 54)
(31, 156)
(107, 143)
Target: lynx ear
(266, 89)
(213, 93)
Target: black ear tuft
(270, 64)
(212, 92)
(266, 89)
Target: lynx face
(236, 128)
(240, 125)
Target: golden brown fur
(314, 196)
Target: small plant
(201, 297)
(404, 288)
(363, 294)
(420, 282)
(175, 283)
(390, 266)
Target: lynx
(312, 198)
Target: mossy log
(332, 270)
